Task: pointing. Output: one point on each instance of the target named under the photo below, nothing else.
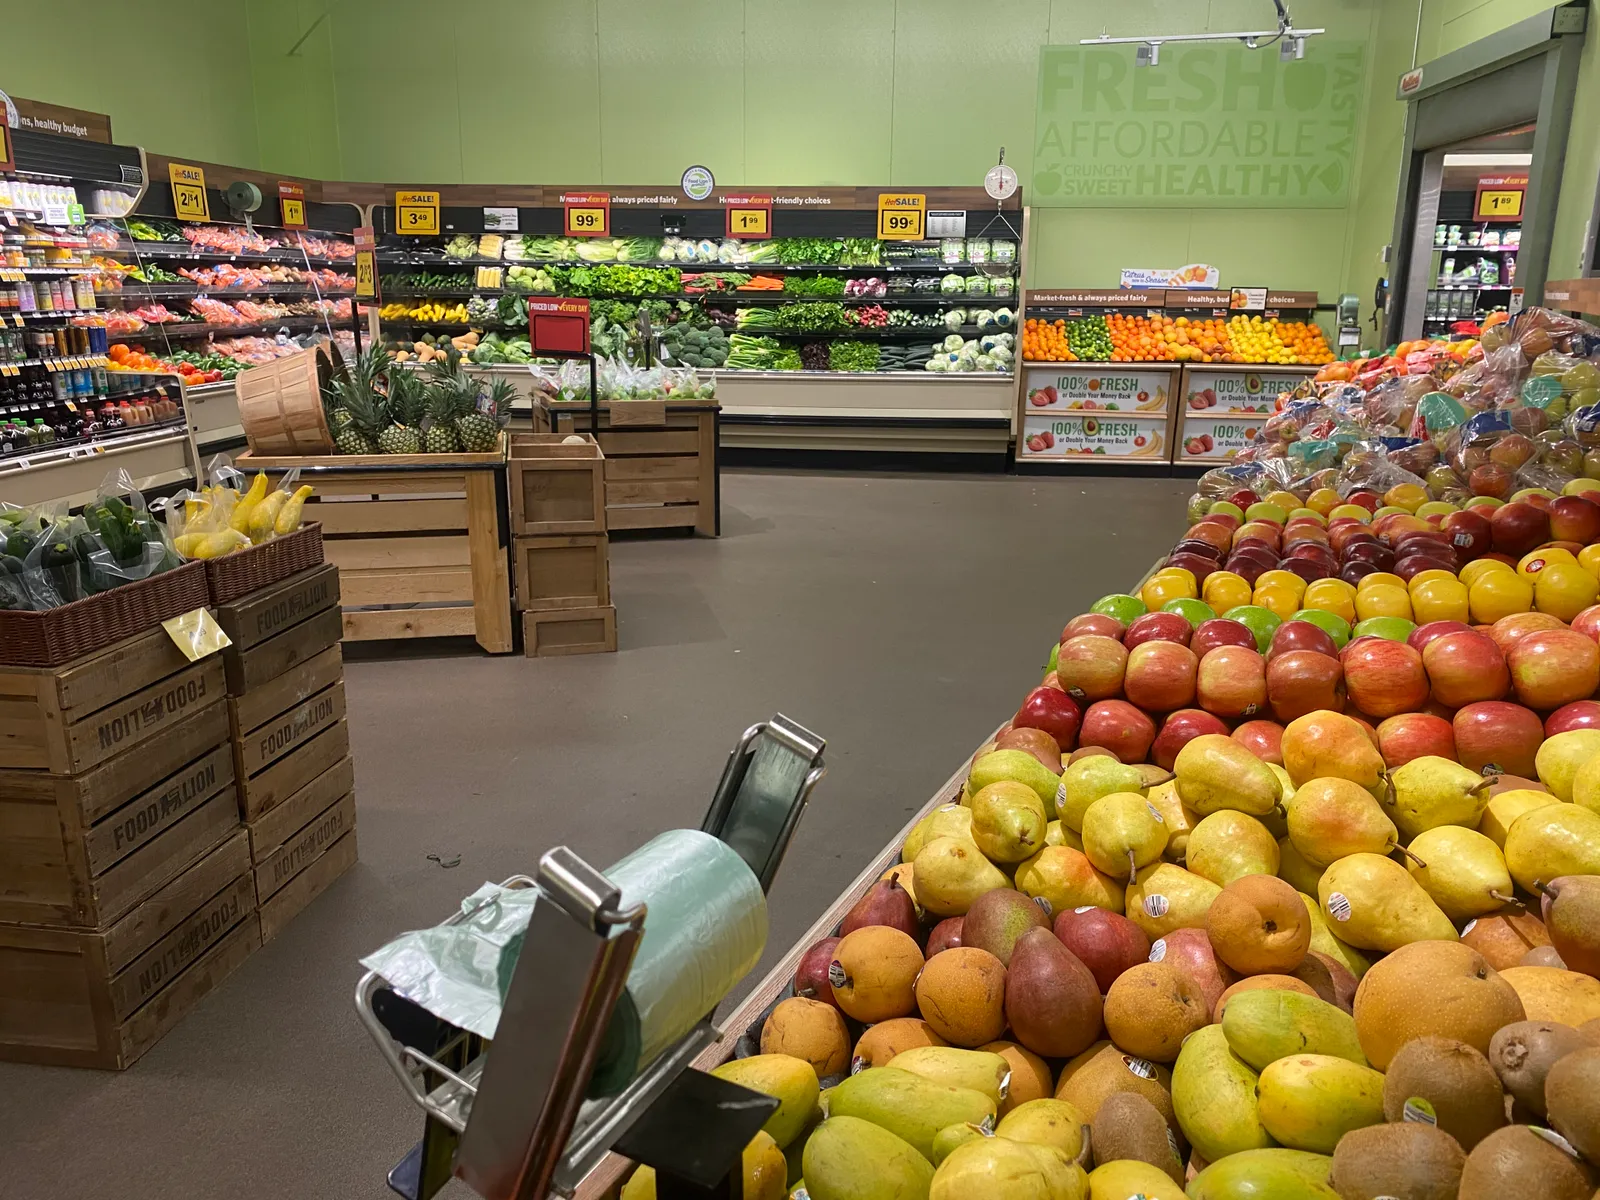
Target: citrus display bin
(1224, 407)
(1097, 412)
(420, 540)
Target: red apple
(1232, 680)
(1105, 942)
(1580, 714)
(1119, 727)
(1303, 681)
(1508, 631)
(1554, 667)
(1354, 572)
(1574, 519)
(1178, 729)
(1189, 953)
(1370, 501)
(1301, 635)
(1384, 677)
(1466, 667)
(1264, 739)
(1200, 546)
(811, 977)
(1053, 711)
(1091, 667)
(1158, 627)
(1309, 569)
(1035, 742)
(1096, 624)
(946, 935)
(1227, 520)
(1197, 565)
(1160, 676)
(1498, 735)
(1413, 735)
(1244, 498)
(1249, 569)
(1470, 533)
(1518, 528)
(1423, 634)
(1380, 557)
(1219, 631)
(1412, 565)
(1351, 533)
(1588, 622)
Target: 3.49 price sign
(901, 216)
(416, 212)
(749, 217)
(588, 214)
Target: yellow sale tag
(416, 212)
(189, 192)
(1492, 204)
(196, 633)
(366, 275)
(900, 216)
(294, 213)
(750, 222)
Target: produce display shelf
(916, 267)
(179, 250)
(18, 272)
(64, 450)
(914, 298)
(189, 329)
(939, 377)
(1161, 362)
(867, 333)
(180, 291)
(156, 456)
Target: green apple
(1396, 629)
(1262, 622)
(1191, 610)
(1055, 652)
(1332, 624)
(1227, 506)
(1121, 606)
(1519, 497)
(1484, 502)
(1391, 510)
(1435, 508)
(1312, 513)
(1580, 485)
(1265, 510)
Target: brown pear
(885, 903)
(1051, 998)
(998, 918)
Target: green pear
(1560, 757)
(1228, 845)
(1373, 904)
(1503, 810)
(1016, 765)
(1296, 869)
(1462, 870)
(1214, 1096)
(1265, 1025)
(1332, 818)
(1123, 832)
(1431, 791)
(1086, 780)
(1323, 941)
(1215, 772)
(1285, 785)
(948, 820)
(1559, 839)
(1271, 1174)
(1057, 834)
(1165, 897)
(1008, 821)
(1586, 785)
(1180, 821)
(950, 873)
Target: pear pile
(1275, 970)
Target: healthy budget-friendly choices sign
(1212, 126)
(1101, 389)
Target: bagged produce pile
(226, 515)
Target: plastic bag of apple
(1192, 932)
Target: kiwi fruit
(1102, 1071)
(1467, 1098)
(1542, 956)
(1409, 1161)
(1572, 1098)
(1129, 1126)
(1516, 1161)
(1522, 1054)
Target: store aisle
(895, 615)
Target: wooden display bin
(418, 539)
(563, 572)
(570, 631)
(1225, 407)
(656, 478)
(555, 487)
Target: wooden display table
(661, 475)
(420, 541)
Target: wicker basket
(236, 575)
(280, 404)
(58, 635)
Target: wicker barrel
(280, 404)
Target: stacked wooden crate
(291, 745)
(125, 877)
(561, 551)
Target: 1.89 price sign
(901, 216)
(588, 214)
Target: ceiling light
(1291, 41)
(1147, 55)
(1291, 49)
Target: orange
(1384, 600)
(1564, 590)
(1443, 599)
(1498, 594)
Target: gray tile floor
(899, 616)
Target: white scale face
(1000, 182)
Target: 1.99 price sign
(749, 217)
(588, 214)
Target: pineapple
(406, 401)
(444, 405)
(356, 396)
(480, 428)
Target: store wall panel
(296, 94)
(1451, 24)
(819, 102)
(1088, 247)
(671, 76)
(1299, 251)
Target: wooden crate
(273, 785)
(563, 572)
(418, 539)
(70, 718)
(82, 850)
(661, 478)
(101, 998)
(569, 631)
(251, 620)
(555, 488)
(278, 721)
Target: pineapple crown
(408, 397)
(501, 393)
(358, 390)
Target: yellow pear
(1228, 845)
(1334, 817)
(1065, 878)
(1285, 785)
(1057, 834)
(1215, 772)
(1323, 745)
(1123, 832)
(1086, 780)
(1008, 821)
(1180, 821)
(1462, 870)
(1559, 839)
(1296, 869)
(950, 874)
(1165, 897)
(948, 820)
(1560, 757)
(1586, 785)
(1430, 791)
(1505, 808)
(1373, 904)
(1323, 941)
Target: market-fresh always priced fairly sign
(1211, 126)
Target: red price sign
(366, 263)
(1500, 197)
(292, 205)
(749, 217)
(588, 214)
(558, 325)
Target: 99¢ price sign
(588, 214)
(416, 212)
(901, 216)
(749, 217)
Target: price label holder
(749, 217)
(75, 214)
(291, 205)
(196, 634)
(901, 216)
(588, 214)
(189, 200)
(416, 213)
(1500, 197)
(366, 263)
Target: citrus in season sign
(900, 216)
(189, 201)
(416, 212)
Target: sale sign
(588, 214)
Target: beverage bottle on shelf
(129, 414)
(111, 417)
(45, 433)
(27, 300)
